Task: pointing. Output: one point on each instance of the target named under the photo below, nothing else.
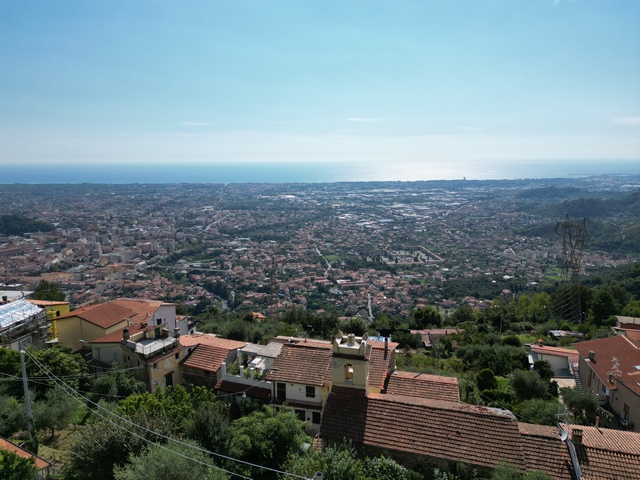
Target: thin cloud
(627, 121)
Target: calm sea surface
(306, 173)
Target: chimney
(592, 356)
(351, 340)
(597, 421)
(176, 332)
(386, 347)
(576, 436)
(125, 334)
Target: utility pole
(27, 397)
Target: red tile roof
(305, 363)
(434, 387)
(104, 315)
(436, 429)
(544, 451)
(380, 364)
(143, 309)
(205, 357)
(556, 351)
(210, 339)
(627, 353)
(21, 452)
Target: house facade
(610, 368)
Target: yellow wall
(73, 329)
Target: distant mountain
(594, 206)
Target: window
(281, 392)
(348, 372)
(315, 418)
(177, 356)
(625, 411)
(311, 392)
(155, 366)
(300, 415)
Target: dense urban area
(439, 329)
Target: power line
(69, 389)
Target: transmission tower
(574, 235)
(567, 303)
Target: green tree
(169, 462)
(544, 369)
(487, 380)
(527, 384)
(60, 362)
(103, 445)
(539, 411)
(48, 291)
(55, 411)
(13, 416)
(343, 463)
(14, 467)
(426, 317)
(209, 426)
(581, 404)
(266, 437)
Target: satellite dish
(564, 434)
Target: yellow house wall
(73, 329)
(621, 396)
(164, 366)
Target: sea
(119, 173)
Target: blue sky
(373, 82)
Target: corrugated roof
(16, 311)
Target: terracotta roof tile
(454, 432)
(421, 385)
(212, 340)
(627, 353)
(556, 351)
(104, 315)
(544, 451)
(380, 364)
(21, 452)
(305, 363)
(143, 309)
(205, 357)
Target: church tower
(350, 361)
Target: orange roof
(609, 350)
(210, 339)
(104, 315)
(143, 309)
(21, 452)
(380, 365)
(306, 363)
(206, 357)
(556, 352)
(421, 385)
(430, 428)
(603, 454)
